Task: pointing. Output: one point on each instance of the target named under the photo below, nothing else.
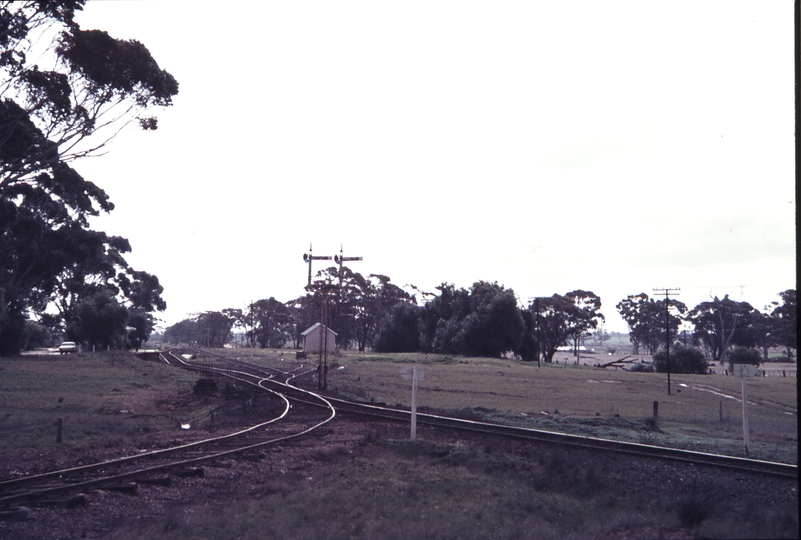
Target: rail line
(293, 421)
(550, 437)
(300, 415)
(543, 436)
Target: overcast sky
(549, 146)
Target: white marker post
(744, 371)
(414, 374)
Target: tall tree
(646, 319)
(400, 331)
(786, 322)
(483, 321)
(271, 323)
(185, 331)
(213, 328)
(556, 316)
(562, 318)
(717, 323)
(587, 316)
(493, 326)
(375, 298)
(100, 321)
(94, 86)
(440, 317)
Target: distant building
(310, 339)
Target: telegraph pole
(324, 288)
(322, 358)
(675, 292)
(339, 259)
(537, 323)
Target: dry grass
(104, 399)
(577, 399)
(401, 489)
(387, 487)
(589, 400)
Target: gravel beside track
(107, 511)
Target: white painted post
(745, 371)
(745, 414)
(414, 403)
(414, 374)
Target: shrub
(743, 355)
(693, 504)
(399, 332)
(641, 367)
(682, 360)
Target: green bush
(641, 367)
(682, 360)
(743, 355)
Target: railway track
(301, 412)
(535, 435)
(306, 414)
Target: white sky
(550, 146)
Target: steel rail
(180, 464)
(631, 448)
(786, 470)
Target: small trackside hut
(313, 340)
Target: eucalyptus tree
(271, 323)
(720, 323)
(560, 318)
(785, 318)
(65, 93)
(649, 320)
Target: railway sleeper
(15, 513)
(158, 481)
(220, 464)
(194, 472)
(73, 502)
(131, 488)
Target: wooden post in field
(59, 430)
(745, 415)
(744, 371)
(656, 410)
(414, 374)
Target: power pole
(668, 291)
(537, 324)
(339, 259)
(322, 359)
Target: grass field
(103, 399)
(703, 412)
(388, 487)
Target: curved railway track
(301, 412)
(535, 435)
(309, 412)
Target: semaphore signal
(339, 259)
(324, 288)
(308, 257)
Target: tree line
(65, 93)
(487, 320)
